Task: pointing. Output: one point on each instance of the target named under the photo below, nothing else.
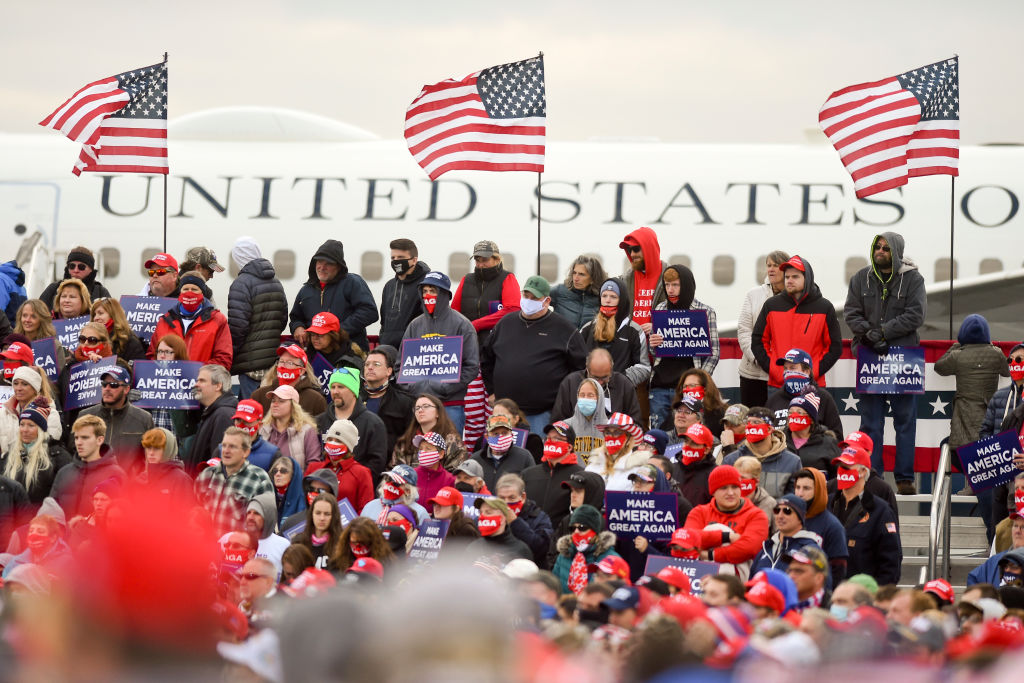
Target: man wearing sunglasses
(125, 423)
(885, 306)
(81, 265)
(789, 514)
(162, 270)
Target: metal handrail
(939, 523)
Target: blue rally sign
(323, 370)
(427, 545)
(144, 311)
(166, 383)
(437, 359)
(695, 569)
(84, 383)
(44, 352)
(901, 371)
(68, 329)
(651, 515)
(469, 505)
(685, 333)
(988, 462)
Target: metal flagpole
(952, 195)
(538, 222)
(165, 181)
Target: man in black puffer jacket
(257, 314)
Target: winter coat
(15, 508)
(977, 365)
(75, 483)
(12, 294)
(500, 549)
(395, 409)
(262, 453)
(593, 495)
(628, 347)
(872, 537)
(625, 464)
(10, 437)
(544, 487)
(533, 527)
(878, 486)
(446, 322)
(822, 522)
(749, 312)
(169, 480)
(371, 450)
(577, 306)
(989, 571)
(130, 350)
(647, 291)
(96, 289)
(208, 338)
(400, 303)
(429, 482)
(897, 305)
(1000, 407)
(748, 521)
(515, 461)
(486, 301)
(293, 500)
(828, 412)
(213, 421)
(620, 390)
(602, 547)
(346, 296)
(819, 450)
(311, 398)
(125, 428)
(808, 323)
(693, 479)
(774, 548)
(43, 482)
(355, 481)
(257, 315)
(777, 467)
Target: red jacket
(208, 338)
(749, 521)
(355, 481)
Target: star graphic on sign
(851, 402)
(938, 406)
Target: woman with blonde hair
(35, 458)
(618, 457)
(30, 389)
(72, 300)
(34, 320)
(126, 345)
(290, 428)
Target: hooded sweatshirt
(400, 303)
(446, 322)
(628, 346)
(821, 521)
(808, 322)
(778, 465)
(96, 289)
(271, 546)
(346, 296)
(644, 286)
(667, 371)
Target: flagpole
(165, 186)
(538, 222)
(952, 201)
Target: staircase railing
(940, 527)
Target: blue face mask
(840, 612)
(587, 406)
(794, 382)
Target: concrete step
(966, 533)
(960, 567)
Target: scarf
(578, 577)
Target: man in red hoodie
(730, 527)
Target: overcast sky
(729, 71)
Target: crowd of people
(291, 489)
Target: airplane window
(371, 266)
(147, 253)
(990, 265)
(723, 270)
(549, 267)
(942, 270)
(284, 264)
(110, 257)
(459, 265)
(760, 269)
(853, 264)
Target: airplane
(292, 180)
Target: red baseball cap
(310, 583)
(293, 349)
(448, 496)
(684, 607)
(852, 455)
(674, 576)
(700, 434)
(323, 323)
(942, 589)
(231, 618)
(763, 594)
(858, 439)
(795, 262)
(248, 410)
(20, 352)
(614, 565)
(162, 261)
(367, 565)
(685, 539)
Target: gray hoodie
(445, 322)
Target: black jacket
(516, 460)
(132, 349)
(620, 390)
(399, 304)
(828, 412)
(213, 421)
(59, 457)
(257, 315)
(371, 451)
(876, 486)
(15, 508)
(819, 450)
(346, 296)
(872, 537)
(499, 549)
(479, 296)
(96, 289)
(125, 428)
(533, 527)
(395, 411)
(75, 483)
(693, 480)
(544, 486)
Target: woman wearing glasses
(194, 319)
(290, 428)
(81, 265)
(126, 345)
(429, 416)
(292, 369)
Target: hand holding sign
(680, 333)
(432, 359)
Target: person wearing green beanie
(587, 544)
(371, 448)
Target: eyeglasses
(252, 576)
(89, 340)
(683, 410)
(77, 266)
(579, 527)
(280, 470)
(158, 272)
(420, 409)
(783, 509)
(292, 366)
(112, 385)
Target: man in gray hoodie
(260, 523)
(885, 306)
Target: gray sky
(728, 71)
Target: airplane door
(29, 209)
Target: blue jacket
(774, 548)
(989, 572)
(12, 290)
(294, 499)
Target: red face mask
(555, 451)
(1018, 500)
(673, 299)
(391, 492)
(489, 524)
(98, 348)
(109, 324)
(252, 428)
(238, 557)
(404, 523)
(359, 549)
(10, 367)
(310, 497)
(614, 444)
(38, 542)
(747, 486)
(688, 456)
(516, 507)
(609, 311)
(190, 301)
(429, 302)
(335, 451)
(288, 375)
(684, 554)
(583, 538)
(697, 392)
(758, 432)
(1016, 371)
(798, 422)
(846, 478)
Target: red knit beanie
(723, 475)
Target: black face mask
(594, 616)
(401, 266)
(487, 273)
(464, 487)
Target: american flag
(898, 128)
(121, 122)
(492, 120)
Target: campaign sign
(144, 311)
(695, 569)
(435, 359)
(901, 371)
(84, 383)
(166, 383)
(345, 511)
(520, 435)
(672, 451)
(685, 333)
(323, 370)
(44, 352)
(427, 544)
(6, 393)
(651, 515)
(67, 331)
(988, 462)
(469, 505)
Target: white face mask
(531, 306)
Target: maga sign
(67, 331)
(685, 333)
(44, 352)
(144, 311)
(84, 383)
(323, 370)
(901, 371)
(166, 383)
(436, 359)
(651, 515)
(695, 569)
(988, 462)
(427, 544)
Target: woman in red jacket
(194, 319)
